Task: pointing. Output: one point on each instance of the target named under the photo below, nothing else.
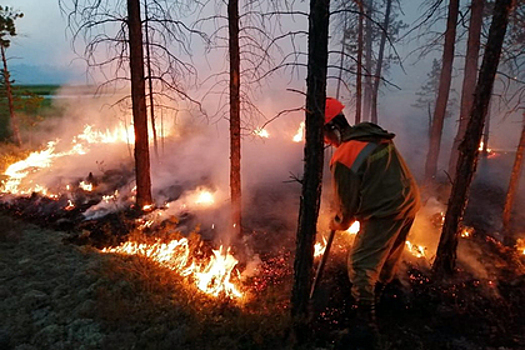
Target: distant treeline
(50, 90)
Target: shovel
(320, 268)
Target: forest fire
(18, 180)
(214, 277)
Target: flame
(354, 228)
(467, 232)
(299, 136)
(262, 133)
(86, 186)
(482, 145)
(202, 197)
(319, 248)
(418, 251)
(213, 277)
(70, 205)
(38, 160)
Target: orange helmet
(333, 108)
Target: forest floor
(58, 291)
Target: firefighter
(373, 185)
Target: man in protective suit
(373, 185)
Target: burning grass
(140, 292)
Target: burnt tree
(443, 92)
(235, 115)
(514, 181)
(313, 167)
(138, 98)
(469, 149)
(469, 78)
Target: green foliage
(27, 107)
(428, 92)
(7, 24)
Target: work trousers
(375, 254)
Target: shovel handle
(322, 263)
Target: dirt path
(46, 290)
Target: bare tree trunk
(514, 181)
(14, 120)
(138, 97)
(150, 85)
(469, 79)
(486, 133)
(235, 115)
(443, 92)
(359, 75)
(368, 60)
(313, 167)
(341, 60)
(445, 262)
(379, 64)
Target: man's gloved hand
(338, 225)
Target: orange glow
(213, 277)
(520, 245)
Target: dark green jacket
(370, 178)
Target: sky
(41, 53)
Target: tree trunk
(341, 60)
(379, 64)
(443, 92)
(313, 167)
(138, 98)
(150, 85)
(486, 133)
(514, 182)
(359, 75)
(469, 79)
(14, 120)
(235, 116)
(469, 149)
(368, 60)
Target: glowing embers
(212, 276)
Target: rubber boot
(363, 334)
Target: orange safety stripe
(347, 152)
